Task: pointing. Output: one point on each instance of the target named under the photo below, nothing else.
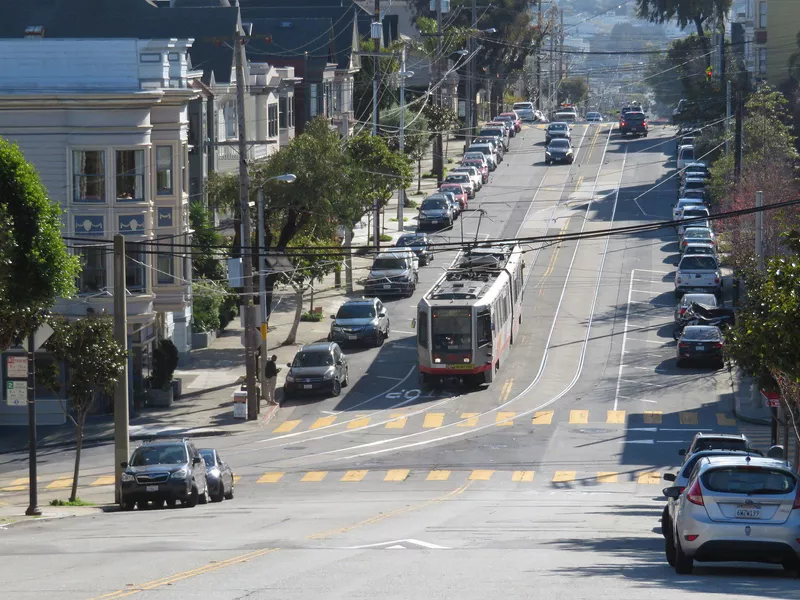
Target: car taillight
(716, 279)
(690, 537)
(683, 310)
(678, 279)
(695, 494)
(716, 345)
(623, 123)
(683, 345)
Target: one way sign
(400, 545)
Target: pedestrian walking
(271, 373)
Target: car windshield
(748, 480)
(558, 126)
(687, 153)
(704, 299)
(693, 263)
(159, 455)
(356, 311)
(694, 212)
(313, 359)
(717, 443)
(458, 178)
(559, 144)
(701, 334)
(700, 234)
(434, 204)
(389, 264)
(451, 330)
(699, 249)
(523, 106)
(208, 456)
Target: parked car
(218, 474)
(524, 110)
(419, 244)
(736, 509)
(498, 131)
(452, 201)
(692, 184)
(634, 123)
(715, 441)
(465, 181)
(703, 249)
(317, 367)
(677, 208)
(692, 216)
(393, 271)
(458, 191)
(693, 235)
(557, 130)
(488, 151)
(360, 320)
(473, 173)
(700, 343)
(497, 146)
(685, 156)
(516, 119)
(508, 122)
(697, 274)
(685, 302)
(481, 165)
(480, 157)
(164, 471)
(697, 170)
(559, 150)
(594, 117)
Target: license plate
(352, 337)
(461, 367)
(700, 348)
(308, 386)
(748, 513)
(386, 286)
(152, 488)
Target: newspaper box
(239, 405)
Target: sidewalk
(745, 406)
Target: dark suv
(164, 471)
(317, 367)
(362, 320)
(634, 123)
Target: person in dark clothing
(271, 371)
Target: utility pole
(728, 88)
(561, 61)
(247, 243)
(33, 484)
(262, 292)
(552, 88)
(540, 25)
(401, 193)
(377, 34)
(469, 96)
(759, 249)
(122, 450)
(438, 160)
(737, 138)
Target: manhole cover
(594, 430)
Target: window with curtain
(135, 267)
(93, 275)
(164, 170)
(165, 262)
(762, 61)
(312, 105)
(272, 120)
(88, 176)
(130, 175)
(762, 15)
(282, 107)
(229, 112)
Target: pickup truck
(697, 274)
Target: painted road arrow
(399, 545)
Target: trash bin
(239, 405)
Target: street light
(262, 267)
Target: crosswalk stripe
(397, 474)
(271, 477)
(103, 480)
(724, 420)
(471, 420)
(652, 417)
(543, 417)
(563, 476)
(607, 477)
(354, 475)
(438, 475)
(358, 423)
(615, 416)
(650, 478)
(688, 418)
(59, 484)
(433, 420)
(398, 421)
(578, 417)
(323, 422)
(504, 419)
(522, 476)
(481, 475)
(286, 426)
(314, 476)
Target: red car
(480, 165)
(459, 191)
(517, 120)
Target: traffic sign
(16, 393)
(771, 399)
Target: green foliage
(312, 317)
(35, 268)
(417, 137)
(574, 90)
(441, 118)
(362, 86)
(376, 171)
(223, 191)
(206, 240)
(209, 297)
(76, 502)
(165, 361)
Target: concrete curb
(736, 388)
(25, 520)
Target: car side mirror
(197, 460)
(333, 316)
(383, 313)
(124, 465)
(669, 477)
(682, 452)
(673, 492)
(289, 365)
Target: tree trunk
(419, 175)
(704, 43)
(298, 312)
(79, 424)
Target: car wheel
(346, 380)
(791, 565)
(126, 505)
(378, 338)
(191, 501)
(665, 528)
(337, 387)
(229, 494)
(669, 549)
(219, 495)
(683, 564)
(171, 503)
(204, 497)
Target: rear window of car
(748, 480)
(633, 116)
(693, 263)
(557, 126)
(492, 132)
(689, 213)
(704, 299)
(697, 185)
(708, 334)
(700, 234)
(436, 204)
(687, 153)
(698, 249)
(523, 105)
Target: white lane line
(405, 332)
(655, 385)
(652, 271)
(624, 340)
(639, 399)
(650, 280)
(388, 377)
(652, 304)
(651, 292)
(640, 368)
(665, 344)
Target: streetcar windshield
(451, 329)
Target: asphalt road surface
(546, 484)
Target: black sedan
(700, 343)
(559, 150)
(218, 474)
(419, 244)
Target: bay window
(130, 175)
(88, 176)
(93, 275)
(164, 170)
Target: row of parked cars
(728, 502)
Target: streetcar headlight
(437, 360)
(466, 359)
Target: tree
(94, 361)
(206, 242)
(35, 268)
(685, 13)
(574, 90)
(417, 138)
(362, 84)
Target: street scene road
(545, 483)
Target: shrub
(311, 317)
(165, 361)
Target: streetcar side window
(422, 329)
(484, 329)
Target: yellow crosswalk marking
(615, 416)
(563, 476)
(397, 475)
(103, 480)
(323, 422)
(314, 476)
(522, 476)
(354, 475)
(286, 426)
(578, 417)
(471, 420)
(650, 477)
(652, 417)
(438, 475)
(433, 420)
(543, 417)
(271, 477)
(607, 477)
(399, 421)
(724, 420)
(504, 419)
(17, 485)
(688, 418)
(358, 423)
(481, 475)
(59, 484)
